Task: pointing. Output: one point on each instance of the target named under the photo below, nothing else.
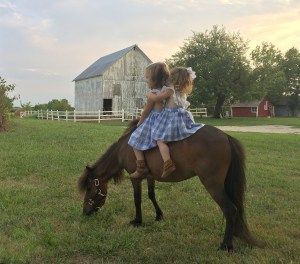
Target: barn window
(139, 102)
(117, 89)
(253, 109)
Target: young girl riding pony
(156, 75)
(174, 122)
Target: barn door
(107, 104)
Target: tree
(267, 77)
(291, 68)
(6, 103)
(61, 105)
(40, 107)
(219, 59)
(55, 104)
(26, 106)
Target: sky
(45, 44)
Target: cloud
(281, 28)
(41, 72)
(254, 2)
(33, 29)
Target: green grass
(251, 121)
(41, 219)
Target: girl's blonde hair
(158, 74)
(181, 79)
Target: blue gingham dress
(175, 124)
(141, 138)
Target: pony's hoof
(225, 247)
(135, 223)
(159, 217)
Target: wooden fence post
(99, 116)
(74, 116)
(52, 115)
(123, 115)
(47, 114)
(67, 115)
(57, 115)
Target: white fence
(83, 116)
(96, 116)
(199, 112)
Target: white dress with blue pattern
(176, 123)
(141, 137)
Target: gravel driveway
(262, 129)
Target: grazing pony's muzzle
(89, 210)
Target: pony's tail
(235, 186)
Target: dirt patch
(262, 129)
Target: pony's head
(93, 182)
(94, 188)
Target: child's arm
(146, 111)
(161, 96)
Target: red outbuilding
(258, 108)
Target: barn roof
(102, 64)
(247, 104)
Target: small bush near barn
(5, 103)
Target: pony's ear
(88, 167)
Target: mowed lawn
(41, 211)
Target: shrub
(6, 103)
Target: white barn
(114, 82)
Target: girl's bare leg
(138, 154)
(169, 166)
(141, 167)
(164, 150)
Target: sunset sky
(45, 44)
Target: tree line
(227, 72)
(6, 104)
(55, 104)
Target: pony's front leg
(137, 193)
(151, 195)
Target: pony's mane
(130, 128)
(103, 161)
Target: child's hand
(150, 96)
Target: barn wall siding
(263, 108)
(123, 82)
(88, 94)
(242, 112)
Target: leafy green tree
(291, 68)
(40, 107)
(26, 106)
(60, 105)
(219, 59)
(6, 102)
(55, 104)
(267, 78)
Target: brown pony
(215, 157)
